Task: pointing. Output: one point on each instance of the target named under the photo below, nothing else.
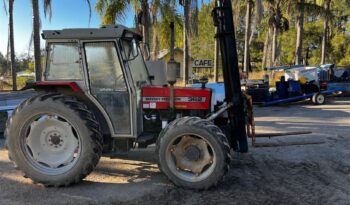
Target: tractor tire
(318, 99)
(193, 153)
(54, 139)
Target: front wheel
(54, 139)
(193, 153)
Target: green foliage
(169, 14)
(203, 46)
(21, 81)
(3, 64)
(111, 11)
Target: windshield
(137, 66)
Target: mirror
(135, 50)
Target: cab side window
(63, 62)
(104, 67)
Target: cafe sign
(203, 63)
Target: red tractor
(97, 98)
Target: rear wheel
(193, 153)
(54, 139)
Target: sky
(66, 14)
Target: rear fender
(55, 86)
(73, 89)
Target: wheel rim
(320, 99)
(191, 158)
(51, 144)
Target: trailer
(300, 83)
(318, 98)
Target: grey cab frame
(136, 125)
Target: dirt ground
(299, 174)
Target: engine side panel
(157, 98)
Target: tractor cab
(107, 64)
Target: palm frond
(111, 11)
(5, 7)
(48, 8)
(89, 5)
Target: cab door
(108, 85)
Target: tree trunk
(276, 28)
(36, 40)
(300, 28)
(155, 42)
(146, 22)
(327, 5)
(274, 45)
(267, 49)
(187, 41)
(12, 46)
(248, 22)
(216, 58)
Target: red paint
(72, 85)
(187, 98)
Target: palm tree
(248, 23)
(277, 23)
(168, 14)
(111, 10)
(299, 28)
(155, 41)
(12, 46)
(162, 12)
(253, 7)
(8, 37)
(36, 32)
(36, 36)
(146, 22)
(301, 7)
(187, 40)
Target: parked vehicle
(97, 98)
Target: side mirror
(135, 50)
(151, 77)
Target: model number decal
(177, 99)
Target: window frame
(48, 56)
(119, 61)
(126, 61)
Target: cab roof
(111, 31)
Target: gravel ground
(301, 174)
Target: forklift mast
(223, 20)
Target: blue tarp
(7, 108)
(341, 86)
